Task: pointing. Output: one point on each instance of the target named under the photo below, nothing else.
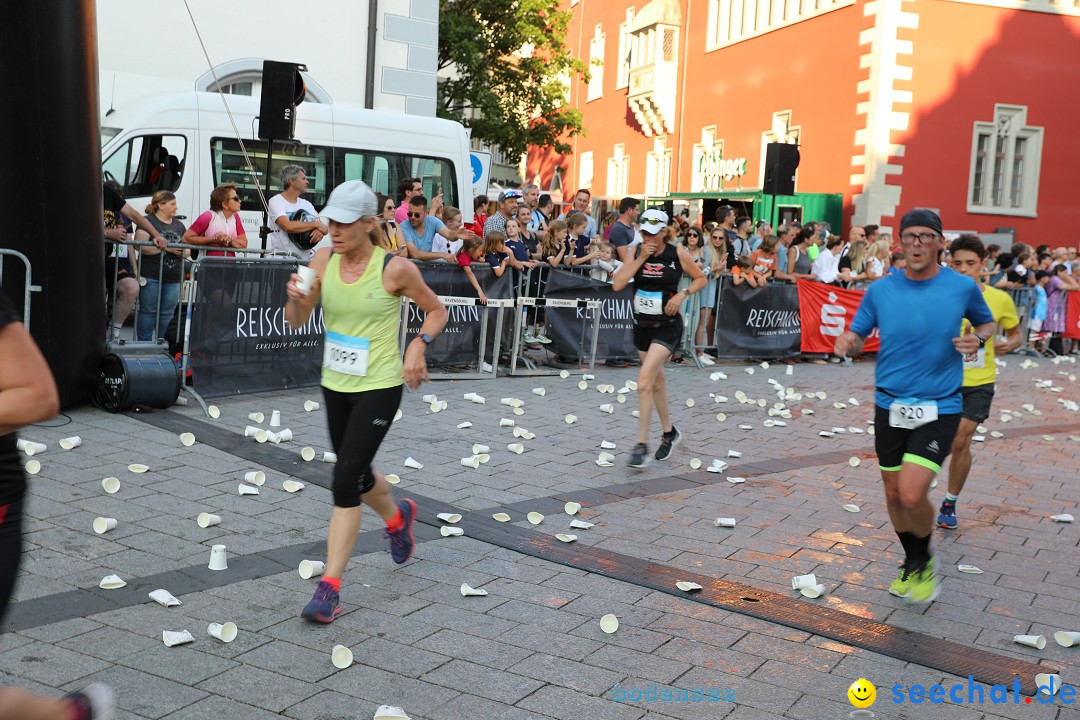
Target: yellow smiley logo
(862, 693)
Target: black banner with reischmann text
(759, 322)
(570, 328)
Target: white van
(185, 143)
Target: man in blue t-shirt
(918, 377)
(420, 231)
(622, 232)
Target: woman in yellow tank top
(360, 286)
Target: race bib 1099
(345, 354)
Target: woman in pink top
(219, 226)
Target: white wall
(149, 47)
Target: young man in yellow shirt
(968, 257)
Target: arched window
(244, 77)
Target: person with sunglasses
(420, 231)
(918, 379)
(220, 226)
(505, 208)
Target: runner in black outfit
(656, 268)
(28, 395)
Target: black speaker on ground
(282, 90)
(781, 161)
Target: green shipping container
(777, 209)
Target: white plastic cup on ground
(70, 443)
(261, 436)
(329, 457)
(311, 568)
(33, 467)
(814, 591)
(479, 449)
(1036, 641)
(206, 520)
(251, 430)
(1048, 681)
(803, 581)
(341, 656)
(181, 400)
(471, 462)
(307, 278)
(285, 435)
(430, 398)
(164, 598)
(172, 639)
(275, 418)
(311, 405)
(516, 448)
(218, 558)
(308, 453)
(247, 489)
(30, 447)
(273, 437)
(724, 522)
(256, 417)
(255, 477)
(103, 525)
(292, 486)
(213, 411)
(187, 439)
(111, 485)
(225, 632)
(1066, 638)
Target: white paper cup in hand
(226, 632)
(803, 581)
(307, 278)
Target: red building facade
(964, 106)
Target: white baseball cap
(350, 201)
(653, 221)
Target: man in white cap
(361, 286)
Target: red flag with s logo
(826, 311)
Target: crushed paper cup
(292, 486)
(746, 427)
(724, 522)
(605, 463)
(852, 508)
(137, 468)
(606, 457)
(410, 463)
(635, 413)
(214, 412)
(164, 598)
(501, 517)
(307, 453)
(506, 422)
(311, 405)
(103, 525)
(247, 489)
(187, 439)
(605, 408)
(218, 558)
(539, 391)
(469, 591)
(172, 639)
(516, 448)
(801, 581)
(256, 417)
(311, 568)
(523, 433)
(1036, 641)
(225, 632)
(734, 454)
(464, 425)
(997, 434)
(695, 463)
(563, 537)
(971, 569)
(341, 656)
(1062, 518)
(438, 406)
(397, 415)
(980, 429)
(609, 623)
(606, 445)
(70, 443)
(1067, 638)
(111, 582)
(33, 467)
(933, 483)
(535, 518)
(448, 531)
(813, 591)
(571, 508)
(389, 712)
(686, 586)
(854, 461)
(391, 478)
(519, 411)
(452, 518)
(206, 520)
(587, 376)
(483, 458)
(749, 370)
(564, 374)
(570, 419)
(1049, 681)
(580, 524)
(735, 480)
(978, 438)
(255, 477)
(826, 433)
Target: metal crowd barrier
(28, 285)
(1024, 299)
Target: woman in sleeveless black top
(656, 268)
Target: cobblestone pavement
(533, 647)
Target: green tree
(509, 65)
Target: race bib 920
(345, 354)
(910, 413)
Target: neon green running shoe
(901, 586)
(925, 585)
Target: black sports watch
(982, 340)
(426, 338)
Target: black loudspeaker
(282, 90)
(781, 161)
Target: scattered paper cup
(397, 415)
(686, 586)
(721, 417)
(606, 457)
(854, 461)
(852, 508)
(164, 598)
(30, 447)
(181, 400)
(605, 408)
(218, 558)
(430, 398)
(563, 537)
(103, 525)
(471, 462)
(469, 591)
(392, 479)
(448, 531)
(111, 582)
(255, 477)
(261, 436)
(225, 632)
(257, 417)
(1062, 518)
(539, 391)
(501, 517)
(519, 411)
(813, 591)
(275, 418)
(1036, 641)
(564, 374)
(247, 489)
(284, 436)
(606, 445)
(341, 656)
(535, 518)
(572, 508)
(410, 463)
(292, 486)
(516, 448)
(631, 384)
(311, 405)
(172, 639)
(587, 376)
(734, 454)
(1067, 638)
(571, 419)
(580, 524)
(609, 623)
(695, 463)
(735, 480)
(70, 443)
(506, 422)
(187, 439)
(452, 518)
(970, 569)
(1047, 681)
(206, 520)
(250, 431)
(213, 411)
(33, 467)
(329, 457)
(137, 468)
(803, 581)
(388, 712)
(479, 449)
(724, 522)
(311, 568)
(307, 453)
(111, 485)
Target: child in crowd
(897, 264)
(744, 271)
(553, 248)
(763, 260)
(607, 262)
(472, 250)
(877, 260)
(495, 252)
(578, 249)
(451, 217)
